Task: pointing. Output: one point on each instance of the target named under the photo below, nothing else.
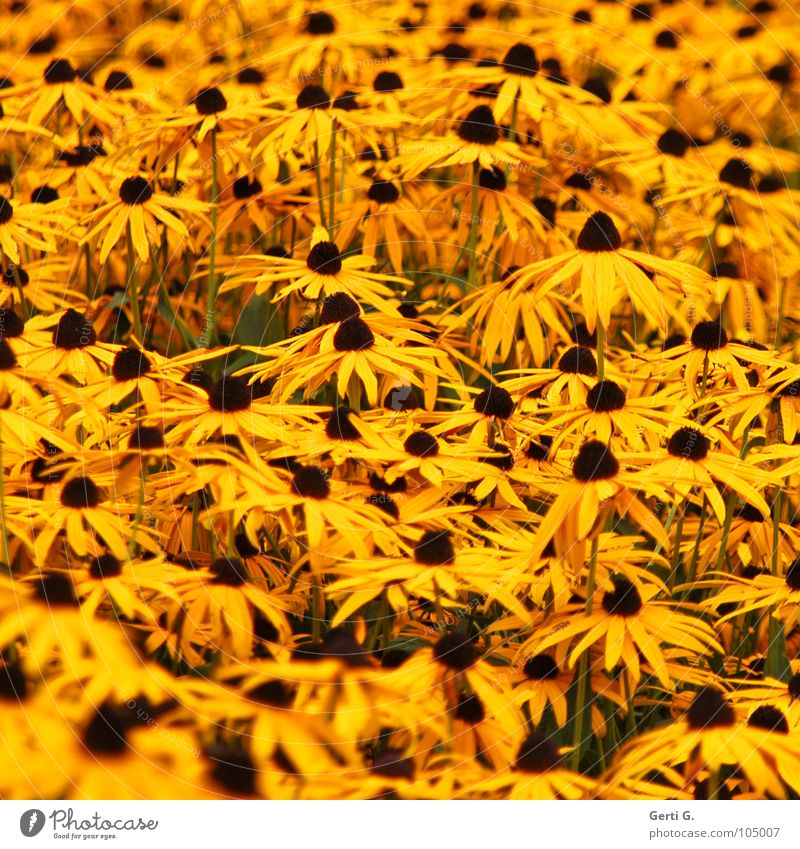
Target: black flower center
(599, 88)
(311, 482)
(769, 717)
(229, 571)
(541, 667)
(494, 401)
(339, 425)
(56, 591)
(793, 687)
(320, 23)
(383, 501)
(537, 754)
(673, 143)
(455, 651)
(387, 81)
(59, 71)
(605, 396)
(272, 693)
(594, 462)
(117, 81)
(229, 394)
(146, 438)
(793, 575)
(539, 448)
(105, 734)
(521, 60)
(666, 39)
(13, 273)
(13, 686)
(380, 484)
(346, 101)
(244, 188)
(748, 513)
(737, 172)
(493, 179)
(479, 127)
(709, 335)
(641, 12)
(73, 331)
(105, 566)
(582, 181)
(383, 191)
(44, 194)
(324, 258)
(710, 709)
(234, 770)
(402, 398)
(393, 764)
(338, 307)
(7, 358)
(578, 360)
(471, 710)
(249, 76)
(780, 74)
(209, 101)
(599, 234)
(6, 211)
(135, 191)
(353, 335)
(313, 97)
(435, 548)
(688, 442)
(130, 364)
(421, 444)
(546, 207)
(80, 492)
(624, 599)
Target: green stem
(210, 326)
(601, 351)
(332, 180)
(583, 701)
(132, 287)
(472, 241)
(320, 194)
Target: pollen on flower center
(494, 401)
(537, 754)
(605, 396)
(324, 258)
(311, 482)
(80, 492)
(624, 599)
(541, 667)
(594, 462)
(130, 364)
(710, 709)
(479, 127)
(435, 548)
(709, 336)
(521, 60)
(599, 234)
(455, 651)
(688, 442)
